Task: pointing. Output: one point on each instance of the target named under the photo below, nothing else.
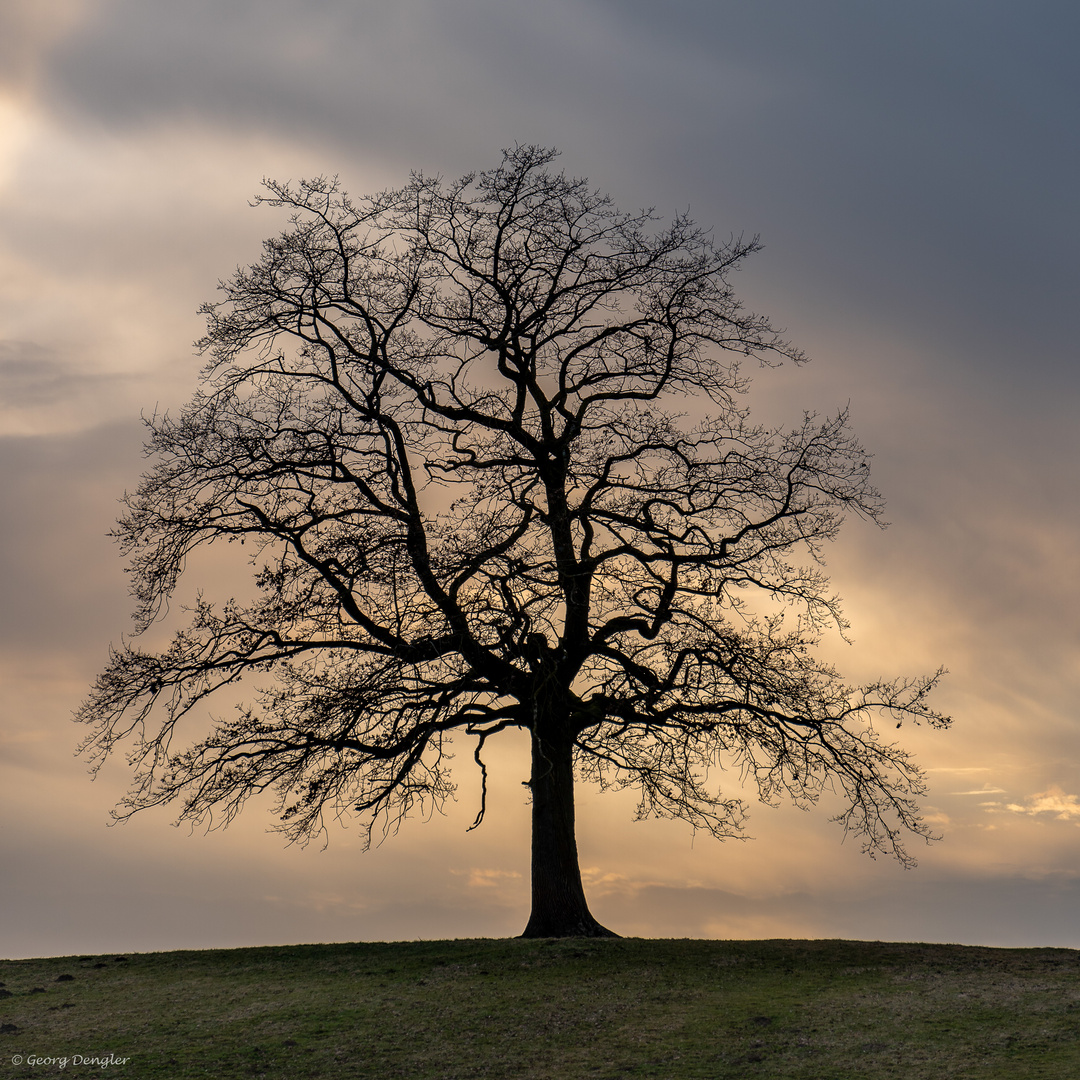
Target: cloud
(1052, 801)
(62, 590)
(28, 29)
(347, 75)
(31, 376)
(480, 878)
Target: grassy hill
(813, 1010)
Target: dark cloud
(32, 376)
(338, 74)
(916, 160)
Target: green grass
(813, 1010)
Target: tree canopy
(488, 446)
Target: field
(812, 1010)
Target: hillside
(827, 1010)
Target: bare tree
(443, 418)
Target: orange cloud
(1052, 801)
(482, 878)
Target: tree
(444, 419)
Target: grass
(812, 1010)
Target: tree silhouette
(444, 419)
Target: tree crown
(452, 420)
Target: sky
(912, 171)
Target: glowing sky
(912, 169)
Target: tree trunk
(559, 908)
